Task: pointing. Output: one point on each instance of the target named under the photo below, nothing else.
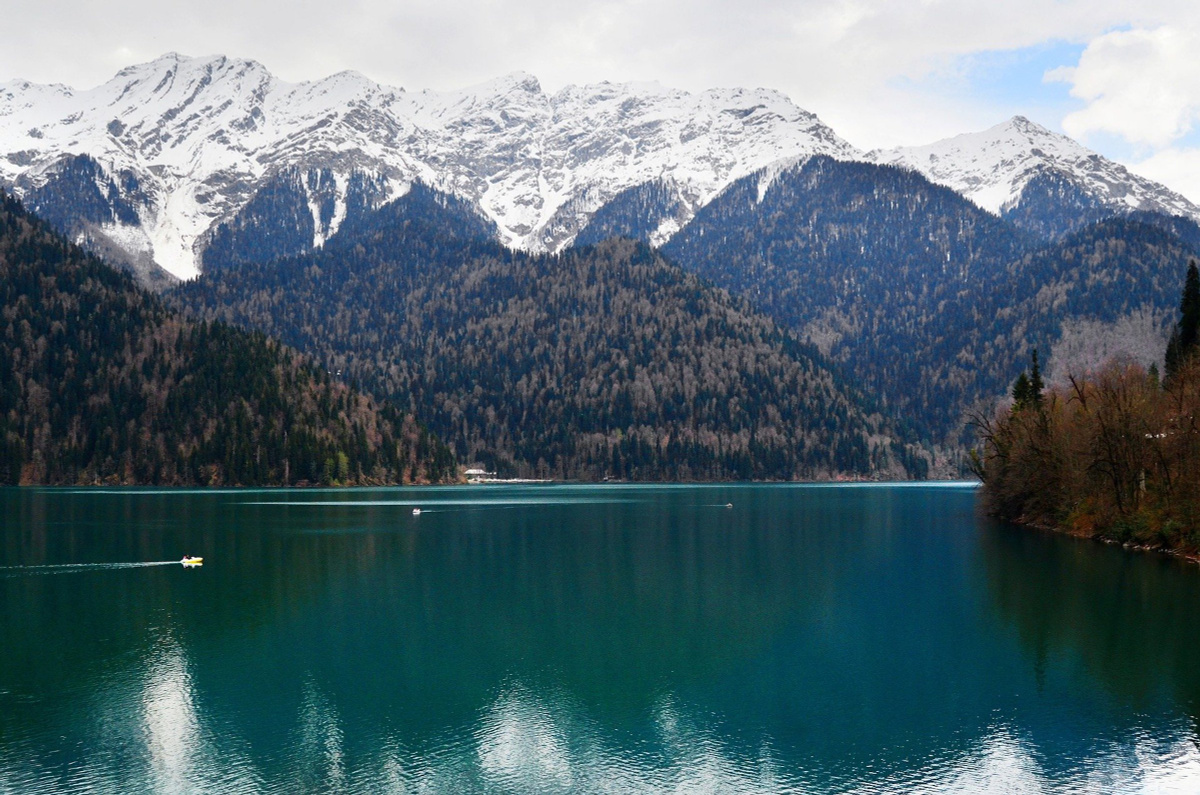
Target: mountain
(97, 209)
(1043, 181)
(183, 164)
(1105, 273)
(876, 265)
(100, 383)
(602, 361)
(155, 161)
(927, 301)
(292, 212)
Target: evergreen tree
(1187, 330)
(1022, 392)
(1036, 385)
(1172, 358)
(1027, 389)
(1189, 310)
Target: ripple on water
(331, 641)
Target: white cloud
(1177, 168)
(1143, 85)
(863, 65)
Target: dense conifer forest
(928, 302)
(100, 383)
(1113, 453)
(636, 213)
(278, 221)
(1052, 206)
(605, 361)
(874, 264)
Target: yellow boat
(187, 561)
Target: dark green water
(584, 639)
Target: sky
(1121, 77)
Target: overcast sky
(1123, 78)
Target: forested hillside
(638, 213)
(927, 301)
(1104, 271)
(874, 264)
(602, 362)
(1116, 453)
(291, 213)
(1051, 206)
(85, 203)
(100, 383)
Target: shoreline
(1023, 524)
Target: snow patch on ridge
(341, 185)
(174, 232)
(665, 231)
(130, 238)
(767, 177)
(314, 209)
(993, 167)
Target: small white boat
(190, 561)
(416, 511)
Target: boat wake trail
(67, 568)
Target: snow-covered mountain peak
(198, 136)
(990, 167)
(515, 88)
(164, 62)
(513, 81)
(174, 73)
(1019, 133)
(993, 168)
(1024, 125)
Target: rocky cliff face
(182, 163)
(1039, 179)
(179, 146)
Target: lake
(561, 638)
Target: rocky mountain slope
(173, 148)
(1041, 180)
(183, 163)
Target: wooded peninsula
(1112, 454)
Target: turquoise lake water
(546, 639)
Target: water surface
(562, 638)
